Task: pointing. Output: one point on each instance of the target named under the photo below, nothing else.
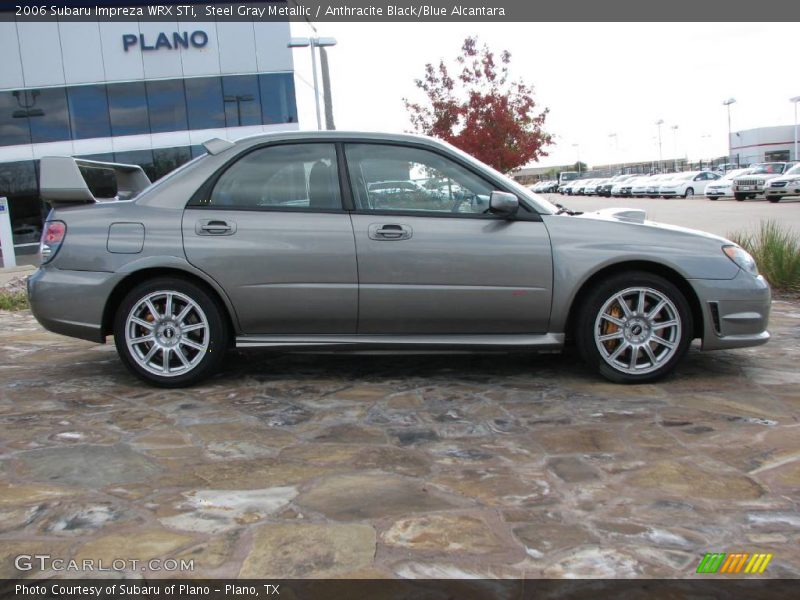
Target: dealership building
(146, 93)
(764, 144)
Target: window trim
(208, 185)
(525, 213)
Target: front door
(273, 234)
(431, 259)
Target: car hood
(639, 217)
(761, 176)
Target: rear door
(273, 233)
(431, 259)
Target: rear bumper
(71, 302)
(735, 311)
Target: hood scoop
(629, 215)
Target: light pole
(728, 103)
(795, 100)
(578, 153)
(315, 42)
(675, 147)
(660, 122)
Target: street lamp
(315, 42)
(795, 100)
(660, 122)
(578, 153)
(675, 147)
(728, 103)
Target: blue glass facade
(155, 106)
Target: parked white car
(625, 189)
(724, 185)
(686, 184)
(648, 186)
(786, 185)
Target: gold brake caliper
(609, 327)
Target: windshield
(568, 176)
(768, 168)
(795, 170)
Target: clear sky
(597, 79)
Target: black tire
(589, 314)
(739, 197)
(773, 200)
(214, 334)
(713, 197)
(689, 193)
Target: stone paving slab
(400, 466)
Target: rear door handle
(215, 227)
(390, 232)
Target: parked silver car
(279, 241)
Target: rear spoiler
(61, 181)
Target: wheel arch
(134, 278)
(655, 268)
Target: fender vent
(714, 308)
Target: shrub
(777, 253)
(13, 300)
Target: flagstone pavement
(299, 466)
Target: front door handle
(215, 227)
(390, 232)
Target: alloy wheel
(637, 330)
(167, 333)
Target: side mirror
(503, 204)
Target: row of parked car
(773, 180)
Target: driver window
(398, 178)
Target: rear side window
(290, 177)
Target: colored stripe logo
(737, 562)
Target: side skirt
(369, 342)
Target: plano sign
(165, 41)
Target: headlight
(742, 259)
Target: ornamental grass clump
(776, 250)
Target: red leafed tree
(480, 110)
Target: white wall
(43, 54)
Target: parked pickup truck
(754, 183)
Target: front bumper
(71, 302)
(735, 311)
(781, 192)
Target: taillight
(52, 238)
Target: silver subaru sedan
(312, 241)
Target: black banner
(397, 589)
(401, 10)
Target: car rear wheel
(689, 193)
(634, 328)
(170, 332)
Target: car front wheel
(634, 328)
(170, 332)
(689, 193)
